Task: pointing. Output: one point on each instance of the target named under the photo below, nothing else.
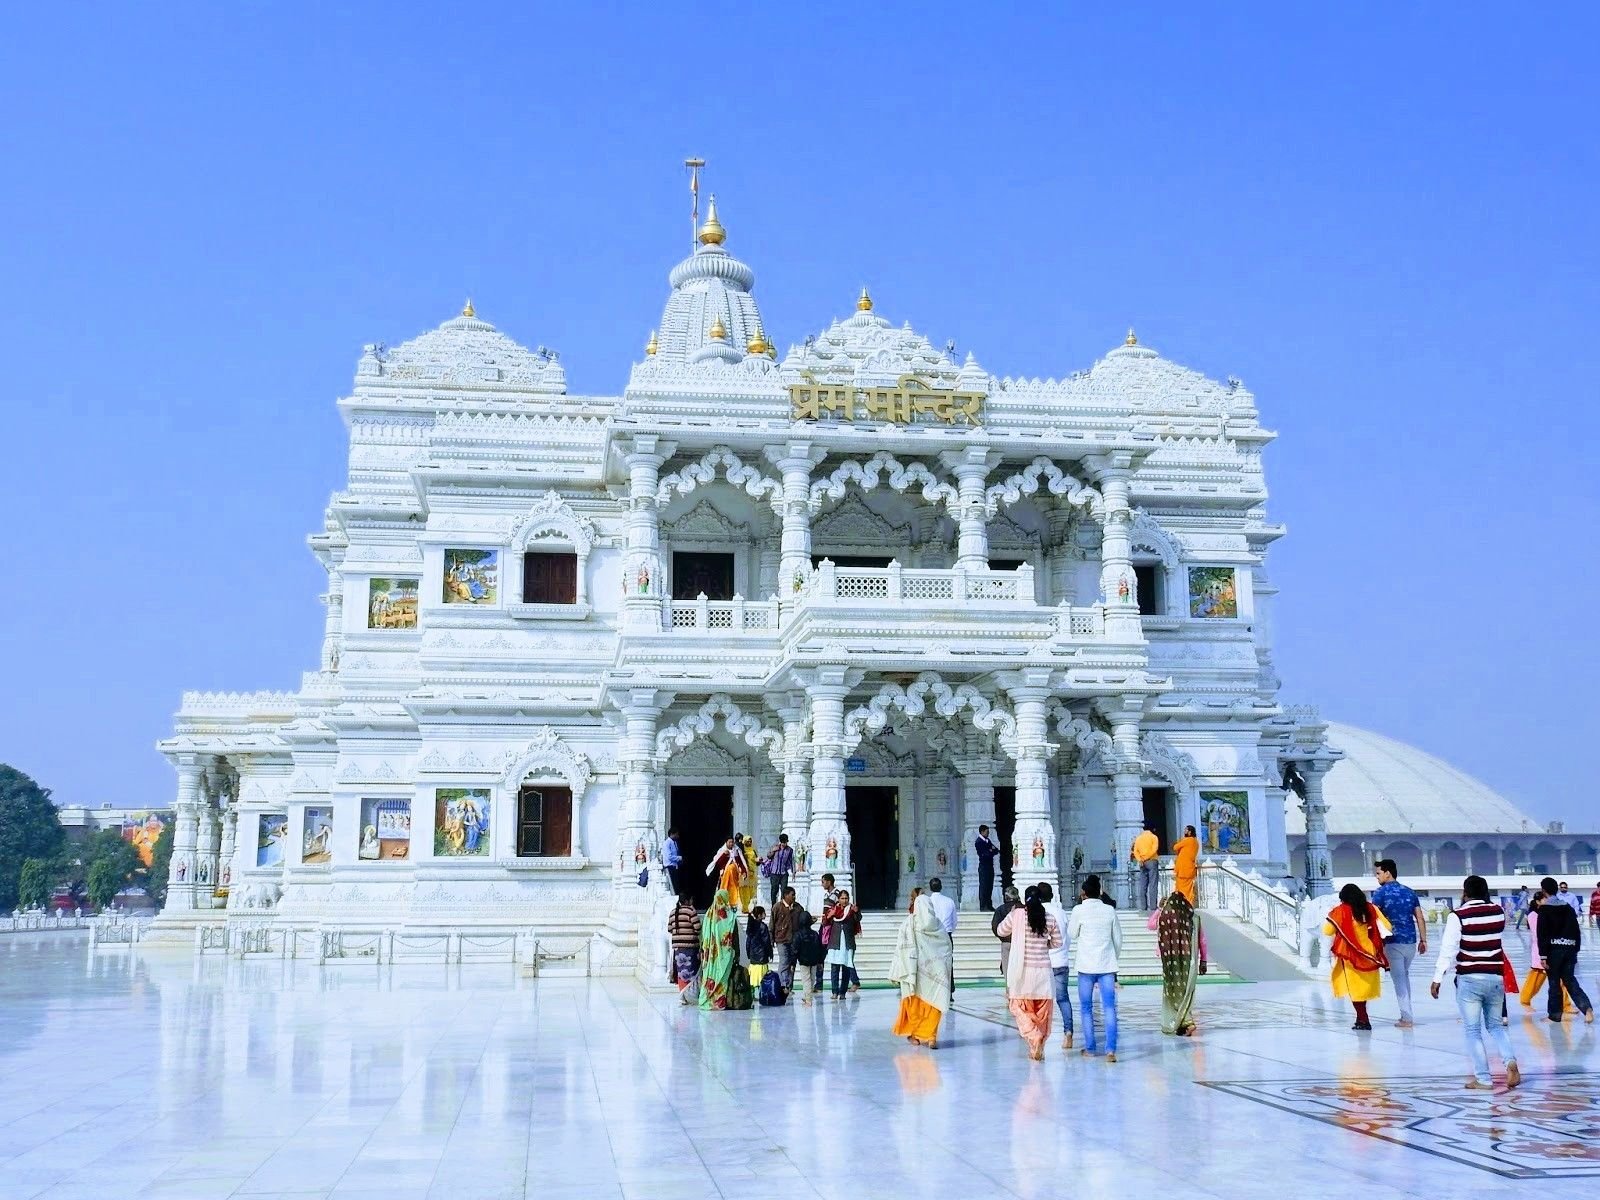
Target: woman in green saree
(1182, 946)
(719, 951)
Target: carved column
(643, 577)
(977, 808)
(230, 834)
(208, 833)
(795, 460)
(638, 844)
(828, 836)
(1063, 556)
(1128, 787)
(1319, 866)
(938, 846)
(1033, 840)
(181, 886)
(333, 619)
(797, 788)
(1073, 855)
(1118, 584)
(971, 468)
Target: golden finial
(712, 233)
(467, 309)
(864, 302)
(758, 343)
(719, 331)
(652, 345)
(1131, 339)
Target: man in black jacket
(1560, 936)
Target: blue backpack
(772, 994)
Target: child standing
(757, 945)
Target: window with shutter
(544, 821)
(549, 577)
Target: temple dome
(866, 350)
(466, 351)
(1389, 786)
(708, 287)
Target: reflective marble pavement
(161, 1076)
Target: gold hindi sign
(903, 404)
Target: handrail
(1249, 898)
(894, 584)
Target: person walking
(784, 928)
(921, 966)
(1060, 961)
(683, 930)
(1571, 899)
(1594, 907)
(757, 945)
(1147, 858)
(1181, 946)
(1408, 935)
(1357, 930)
(1560, 938)
(1536, 976)
(672, 860)
(1030, 984)
(1010, 901)
(719, 952)
(748, 881)
(1472, 947)
(778, 866)
(945, 909)
(844, 926)
(1096, 937)
(1186, 866)
(1524, 902)
(987, 852)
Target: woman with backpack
(1357, 929)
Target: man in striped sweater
(1471, 947)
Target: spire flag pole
(694, 165)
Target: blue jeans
(1478, 1000)
(1063, 997)
(1401, 956)
(1107, 983)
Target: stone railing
(901, 586)
(724, 616)
(1249, 898)
(42, 922)
(1080, 622)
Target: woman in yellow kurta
(1357, 929)
(922, 967)
(1186, 866)
(752, 862)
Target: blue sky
(1384, 222)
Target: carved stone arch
(706, 757)
(1093, 749)
(852, 525)
(901, 477)
(931, 695)
(1148, 540)
(721, 460)
(704, 719)
(1167, 761)
(1026, 482)
(705, 522)
(549, 524)
(882, 761)
(546, 756)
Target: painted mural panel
(461, 822)
(385, 830)
(471, 576)
(317, 844)
(271, 829)
(1225, 822)
(1213, 592)
(392, 603)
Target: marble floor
(161, 1076)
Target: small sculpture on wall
(801, 853)
(642, 580)
(1123, 590)
(183, 870)
(640, 856)
(942, 859)
(830, 852)
(1038, 850)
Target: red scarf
(1345, 945)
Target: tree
(33, 884)
(30, 827)
(104, 883)
(155, 882)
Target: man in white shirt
(1096, 936)
(1059, 960)
(945, 909)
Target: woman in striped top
(1472, 949)
(1030, 983)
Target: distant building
(141, 826)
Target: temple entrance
(1005, 824)
(704, 818)
(873, 815)
(695, 574)
(1158, 815)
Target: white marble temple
(167, 1076)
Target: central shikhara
(865, 595)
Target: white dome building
(1387, 799)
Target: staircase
(977, 950)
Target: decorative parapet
(264, 705)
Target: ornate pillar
(1128, 786)
(638, 843)
(1073, 856)
(977, 808)
(971, 468)
(795, 460)
(796, 788)
(769, 806)
(1063, 556)
(230, 836)
(1033, 839)
(828, 836)
(939, 850)
(1118, 584)
(1319, 866)
(181, 869)
(208, 832)
(333, 619)
(643, 577)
